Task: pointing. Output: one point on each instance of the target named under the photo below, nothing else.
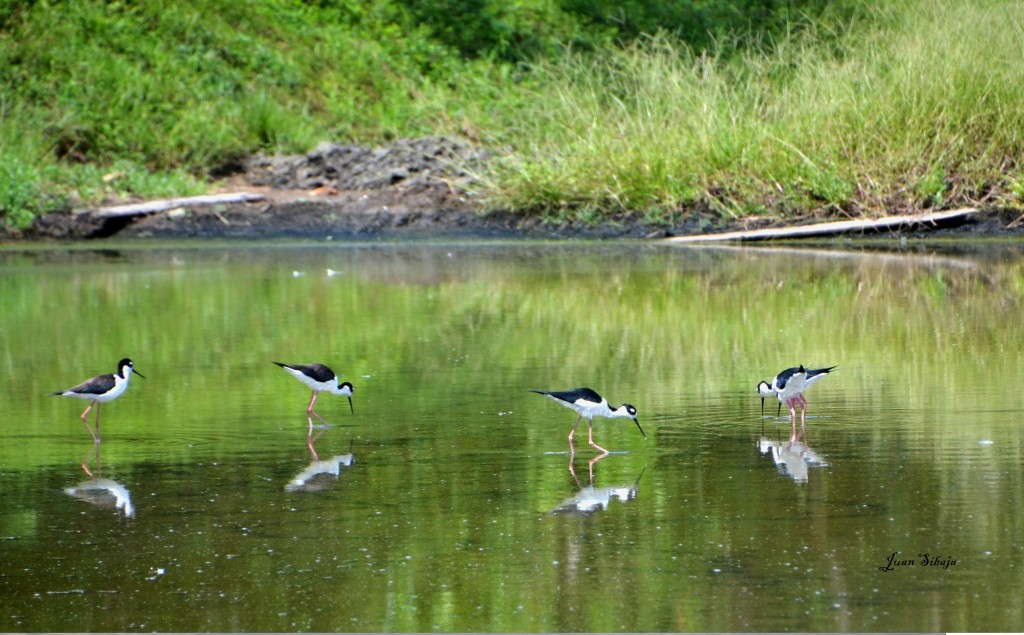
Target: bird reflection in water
(319, 474)
(592, 499)
(99, 491)
(792, 458)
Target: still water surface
(449, 501)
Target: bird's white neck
(621, 411)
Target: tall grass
(911, 105)
(887, 105)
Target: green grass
(177, 89)
(907, 107)
(891, 105)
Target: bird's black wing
(571, 396)
(812, 372)
(316, 372)
(319, 372)
(95, 386)
(783, 378)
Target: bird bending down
(789, 386)
(319, 378)
(101, 389)
(589, 404)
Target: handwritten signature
(895, 561)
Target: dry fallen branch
(149, 207)
(832, 228)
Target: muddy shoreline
(411, 189)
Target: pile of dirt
(429, 162)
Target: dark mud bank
(410, 189)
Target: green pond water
(449, 501)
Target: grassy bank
(872, 109)
(909, 108)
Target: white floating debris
(331, 273)
(296, 274)
(985, 442)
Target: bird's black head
(764, 390)
(131, 368)
(631, 411)
(346, 389)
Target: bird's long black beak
(138, 373)
(350, 406)
(641, 429)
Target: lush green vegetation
(659, 108)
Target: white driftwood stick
(829, 229)
(150, 207)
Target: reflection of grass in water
(651, 331)
(452, 527)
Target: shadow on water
(100, 491)
(320, 474)
(792, 457)
(591, 499)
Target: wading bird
(589, 404)
(319, 378)
(789, 386)
(101, 389)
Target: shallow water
(449, 501)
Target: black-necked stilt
(319, 378)
(589, 404)
(102, 389)
(789, 386)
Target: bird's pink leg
(792, 413)
(309, 410)
(95, 435)
(572, 447)
(590, 437)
